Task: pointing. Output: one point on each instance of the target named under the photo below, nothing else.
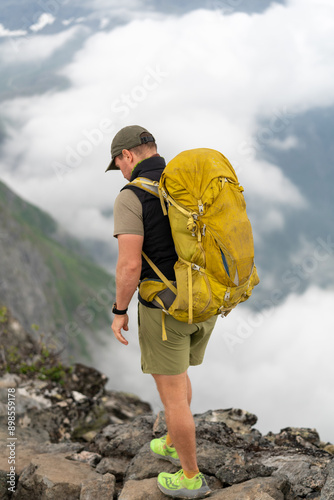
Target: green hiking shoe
(160, 449)
(179, 486)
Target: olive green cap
(127, 138)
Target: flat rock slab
(103, 487)
(31, 444)
(146, 489)
(266, 488)
(53, 476)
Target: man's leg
(175, 393)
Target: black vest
(158, 242)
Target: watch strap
(118, 311)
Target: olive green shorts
(185, 345)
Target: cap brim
(112, 166)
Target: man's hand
(119, 323)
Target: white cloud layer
(202, 79)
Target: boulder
(113, 465)
(327, 492)
(305, 473)
(125, 439)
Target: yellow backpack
(213, 238)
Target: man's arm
(128, 271)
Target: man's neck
(155, 154)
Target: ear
(127, 154)
(130, 157)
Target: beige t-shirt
(128, 214)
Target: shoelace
(177, 477)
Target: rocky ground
(77, 440)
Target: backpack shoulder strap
(151, 187)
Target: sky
(251, 79)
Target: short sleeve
(128, 214)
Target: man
(141, 226)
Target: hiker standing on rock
(140, 226)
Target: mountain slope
(46, 278)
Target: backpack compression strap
(168, 284)
(160, 274)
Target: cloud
(4, 32)
(269, 221)
(234, 83)
(127, 9)
(267, 182)
(311, 260)
(43, 21)
(289, 142)
(31, 48)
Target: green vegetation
(43, 364)
(3, 314)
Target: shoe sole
(174, 461)
(185, 494)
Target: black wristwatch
(118, 311)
